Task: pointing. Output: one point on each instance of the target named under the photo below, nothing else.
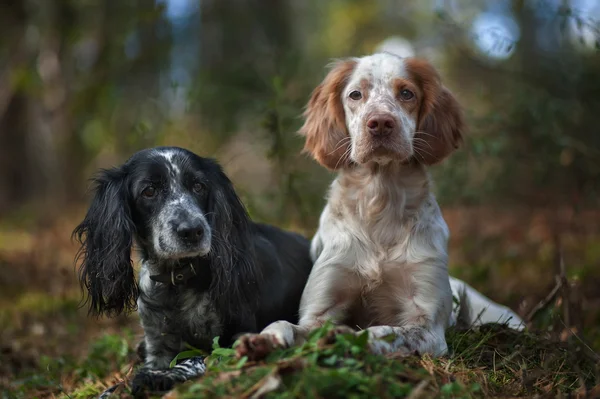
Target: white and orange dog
(380, 253)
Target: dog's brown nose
(381, 125)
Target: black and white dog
(207, 270)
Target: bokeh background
(86, 83)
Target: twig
(543, 304)
(565, 288)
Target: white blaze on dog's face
(381, 108)
(171, 194)
(380, 103)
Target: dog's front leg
(161, 345)
(425, 300)
(161, 348)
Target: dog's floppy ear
(327, 138)
(441, 129)
(232, 254)
(106, 236)
(441, 124)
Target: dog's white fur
(380, 251)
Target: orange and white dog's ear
(441, 124)
(327, 138)
(441, 130)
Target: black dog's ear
(232, 254)
(106, 236)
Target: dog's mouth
(383, 150)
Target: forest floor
(50, 348)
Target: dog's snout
(381, 125)
(190, 231)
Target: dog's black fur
(207, 269)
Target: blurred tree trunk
(27, 164)
(46, 102)
(12, 106)
(56, 28)
(35, 125)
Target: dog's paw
(256, 346)
(149, 381)
(384, 340)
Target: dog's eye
(355, 95)
(198, 187)
(406, 95)
(149, 192)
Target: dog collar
(177, 276)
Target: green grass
(490, 361)
(37, 305)
(325, 366)
(56, 376)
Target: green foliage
(342, 368)
(487, 361)
(37, 304)
(108, 353)
(531, 118)
(86, 391)
(192, 352)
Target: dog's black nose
(191, 232)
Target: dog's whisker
(425, 133)
(342, 143)
(344, 157)
(420, 140)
